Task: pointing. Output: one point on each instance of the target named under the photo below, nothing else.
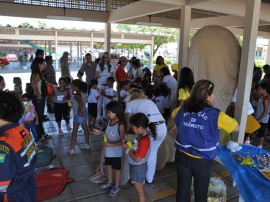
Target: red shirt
(120, 74)
(143, 147)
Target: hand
(96, 131)
(125, 146)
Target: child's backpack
(51, 183)
(44, 156)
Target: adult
(198, 135)
(138, 102)
(89, 68)
(38, 84)
(171, 83)
(136, 68)
(186, 82)
(159, 65)
(17, 152)
(103, 71)
(50, 76)
(64, 64)
(120, 73)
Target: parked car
(12, 58)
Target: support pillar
(70, 50)
(184, 37)
(45, 48)
(107, 45)
(92, 42)
(56, 47)
(152, 50)
(78, 52)
(252, 15)
(50, 46)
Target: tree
(25, 25)
(161, 35)
(42, 25)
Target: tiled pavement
(83, 163)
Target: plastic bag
(233, 146)
(217, 187)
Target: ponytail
(153, 131)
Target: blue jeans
(188, 167)
(31, 126)
(39, 107)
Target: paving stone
(73, 160)
(81, 172)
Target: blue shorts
(77, 119)
(138, 173)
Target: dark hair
(264, 86)
(123, 83)
(144, 83)
(97, 60)
(77, 83)
(267, 76)
(157, 92)
(35, 66)
(62, 79)
(17, 79)
(92, 83)
(116, 108)
(164, 90)
(39, 52)
(83, 87)
(141, 120)
(1, 78)
(186, 79)
(138, 79)
(149, 91)
(198, 97)
(26, 95)
(48, 58)
(11, 109)
(266, 68)
(136, 62)
(257, 74)
(165, 71)
(158, 59)
(101, 62)
(88, 54)
(69, 79)
(111, 79)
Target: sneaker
(259, 146)
(71, 151)
(114, 191)
(60, 132)
(68, 127)
(87, 146)
(105, 185)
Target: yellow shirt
(157, 69)
(183, 94)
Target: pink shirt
(29, 114)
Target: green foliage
(42, 25)
(168, 61)
(161, 35)
(25, 25)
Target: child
(30, 117)
(92, 103)
(18, 85)
(113, 138)
(149, 92)
(141, 127)
(159, 100)
(109, 94)
(69, 80)
(2, 83)
(124, 92)
(60, 106)
(262, 114)
(79, 112)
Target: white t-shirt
(250, 108)
(103, 75)
(124, 95)
(92, 97)
(148, 107)
(160, 102)
(108, 92)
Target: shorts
(262, 129)
(61, 111)
(115, 162)
(77, 119)
(92, 109)
(138, 173)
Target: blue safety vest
(198, 133)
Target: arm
(79, 99)
(35, 80)
(80, 72)
(36, 116)
(127, 117)
(265, 111)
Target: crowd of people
(141, 104)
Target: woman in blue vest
(198, 135)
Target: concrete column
(78, 51)
(17, 31)
(152, 51)
(184, 36)
(45, 48)
(92, 42)
(107, 44)
(70, 50)
(56, 47)
(50, 46)
(268, 53)
(252, 15)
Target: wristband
(127, 150)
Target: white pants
(152, 159)
(101, 113)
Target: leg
(109, 173)
(38, 106)
(86, 133)
(202, 173)
(140, 191)
(74, 135)
(151, 163)
(184, 177)
(89, 121)
(34, 131)
(117, 177)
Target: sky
(16, 21)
